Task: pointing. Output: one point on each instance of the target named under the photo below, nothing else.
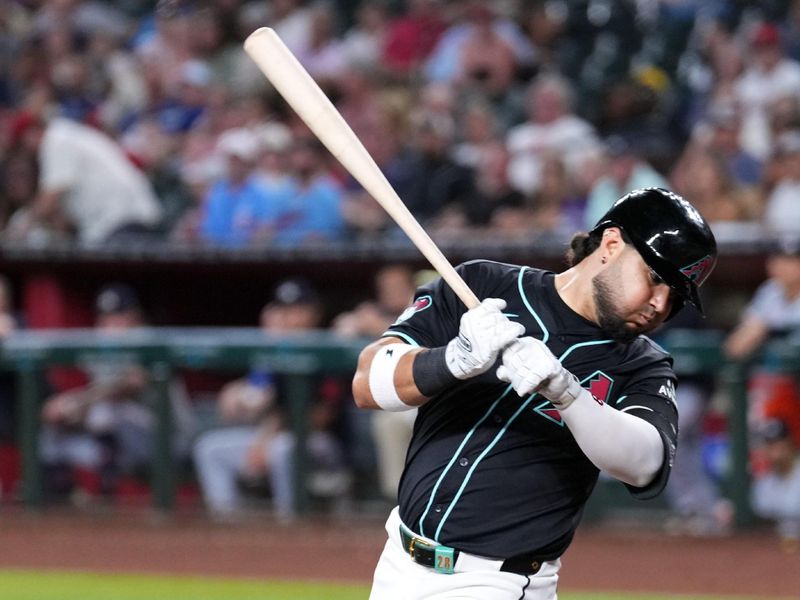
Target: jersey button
(463, 461)
(498, 419)
(437, 508)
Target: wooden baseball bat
(302, 93)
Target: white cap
(239, 142)
(275, 137)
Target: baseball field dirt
(602, 558)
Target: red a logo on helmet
(696, 271)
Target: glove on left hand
(529, 366)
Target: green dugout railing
(301, 358)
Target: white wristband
(381, 377)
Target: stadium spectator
(775, 494)
(275, 140)
(556, 207)
(703, 176)
(551, 128)
(94, 435)
(182, 108)
(312, 212)
(479, 129)
(166, 47)
(487, 63)
(696, 500)
(494, 204)
(324, 57)
(412, 36)
(292, 21)
(772, 313)
(626, 171)
(86, 183)
(391, 431)
(443, 64)
(253, 441)
(235, 211)
(427, 179)
(719, 133)
(710, 68)
(363, 43)
(770, 76)
(782, 213)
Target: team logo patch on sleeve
(599, 386)
(667, 390)
(419, 305)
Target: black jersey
(497, 475)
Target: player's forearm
(376, 372)
(626, 447)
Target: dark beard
(607, 318)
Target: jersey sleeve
(652, 397)
(434, 317)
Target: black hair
(583, 244)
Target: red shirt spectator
(412, 37)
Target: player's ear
(611, 243)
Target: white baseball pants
(397, 577)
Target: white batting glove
(529, 366)
(483, 332)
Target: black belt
(443, 558)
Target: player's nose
(661, 299)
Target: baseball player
(526, 397)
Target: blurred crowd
(135, 120)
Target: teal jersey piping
(407, 338)
(453, 460)
(491, 445)
(545, 333)
(569, 350)
(474, 466)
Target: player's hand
(483, 332)
(529, 366)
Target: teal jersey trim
(407, 338)
(545, 333)
(569, 350)
(492, 444)
(453, 460)
(621, 398)
(474, 466)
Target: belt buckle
(443, 556)
(412, 544)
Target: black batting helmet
(671, 236)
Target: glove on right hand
(483, 332)
(529, 366)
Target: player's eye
(655, 278)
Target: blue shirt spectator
(234, 213)
(311, 211)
